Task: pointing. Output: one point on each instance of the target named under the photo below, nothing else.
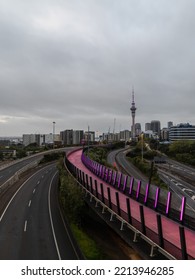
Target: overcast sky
(75, 62)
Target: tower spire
(133, 109)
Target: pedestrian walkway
(170, 229)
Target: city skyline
(75, 62)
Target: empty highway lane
(31, 226)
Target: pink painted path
(170, 228)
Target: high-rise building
(138, 130)
(67, 136)
(133, 110)
(125, 135)
(72, 137)
(78, 136)
(169, 124)
(147, 126)
(155, 127)
(165, 134)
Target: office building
(169, 124)
(155, 127)
(147, 126)
(138, 130)
(183, 131)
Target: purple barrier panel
(168, 203)
(119, 180)
(97, 169)
(114, 180)
(106, 175)
(103, 171)
(110, 178)
(156, 198)
(125, 183)
(146, 194)
(183, 203)
(100, 171)
(94, 167)
(138, 189)
(131, 185)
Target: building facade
(156, 127)
(183, 131)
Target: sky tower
(133, 109)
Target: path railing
(109, 196)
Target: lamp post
(53, 133)
(142, 143)
(88, 141)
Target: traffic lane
(68, 249)
(8, 172)
(111, 158)
(21, 226)
(129, 167)
(38, 242)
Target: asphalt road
(31, 226)
(9, 171)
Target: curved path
(170, 229)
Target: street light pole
(53, 133)
(142, 139)
(88, 141)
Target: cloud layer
(75, 62)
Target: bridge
(125, 204)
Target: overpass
(117, 199)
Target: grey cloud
(75, 62)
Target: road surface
(31, 226)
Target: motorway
(15, 166)
(31, 225)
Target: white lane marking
(29, 203)
(34, 190)
(25, 226)
(17, 192)
(54, 236)
(51, 221)
(38, 182)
